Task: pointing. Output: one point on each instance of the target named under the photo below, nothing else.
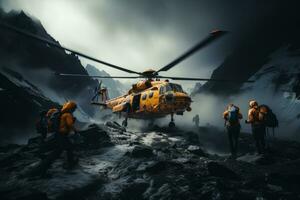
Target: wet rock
(156, 167)
(134, 190)
(134, 143)
(115, 125)
(93, 137)
(261, 159)
(275, 188)
(196, 150)
(160, 166)
(141, 151)
(255, 182)
(9, 147)
(250, 158)
(192, 138)
(32, 195)
(164, 192)
(219, 170)
(34, 142)
(149, 171)
(288, 180)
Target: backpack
(267, 116)
(41, 125)
(233, 115)
(54, 121)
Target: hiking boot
(71, 165)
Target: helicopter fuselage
(151, 99)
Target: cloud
(137, 34)
(141, 34)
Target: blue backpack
(233, 113)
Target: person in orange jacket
(257, 125)
(67, 119)
(232, 116)
(66, 126)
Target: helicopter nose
(182, 100)
(170, 98)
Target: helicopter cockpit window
(175, 87)
(144, 97)
(162, 90)
(168, 88)
(150, 94)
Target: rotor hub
(149, 73)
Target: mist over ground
(269, 88)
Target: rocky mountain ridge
(38, 62)
(115, 87)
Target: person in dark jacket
(196, 120)
(232, 116)
(42, 125)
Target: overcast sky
(142, 34)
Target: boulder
(192, 138)
(93, 137)
(134, 190)
(141, 151)
(163, 165)
(196, 150)
(219, 170)
(115, 125)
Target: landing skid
(172, 123)
(124, 123)
(151, 123)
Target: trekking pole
(266, 139)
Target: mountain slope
(276, 84)
(270, 30)
(21, 103)
(115, 87)
(38, 62)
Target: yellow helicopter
(150, 98)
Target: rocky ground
(155, 164)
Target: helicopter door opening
(136, 102)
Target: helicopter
(150, 98)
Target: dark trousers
(233, 136)
(259, 135)
(63, 143)
(44, 134)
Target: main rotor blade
(210, 38)
(85, 75)
(53, 44)
(203, 79)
